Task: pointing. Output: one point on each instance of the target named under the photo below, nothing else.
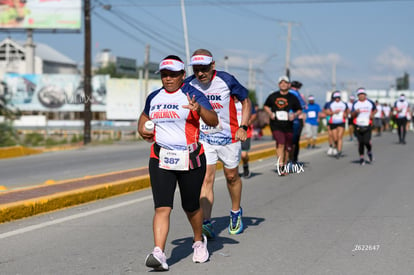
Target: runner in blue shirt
(312, 121)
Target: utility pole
(30, 52)
(146, 69)
(288, 40)
(87, 114)
(226, 64)
(251, 81)
(187, 46)
(334, 76)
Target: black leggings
(164, 182)
(297, 132)
(363, 135)
(401, 128)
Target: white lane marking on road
(69, 218)
(89, 213)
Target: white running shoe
(330, 151)
(157, 260)
(334, 152)
(200, 251)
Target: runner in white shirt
(338, 112)
(401, 108)
(386, 109)
(171, 119)
(223, 141)
(363, 112)
(378, 118)
(350, 120)
(246, 145)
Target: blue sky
(369, 43)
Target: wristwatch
(244, 127)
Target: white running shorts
(311, 131)
(229, 154)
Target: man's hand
(241, 134)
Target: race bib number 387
(174, 160)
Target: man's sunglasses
(202, 68)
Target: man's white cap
(283, 78)
(171, 65)
(336, 94)
(200, 59)
(311, 97)
(351, 97)
(361, 91)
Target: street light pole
(187, 46)
(87, 114)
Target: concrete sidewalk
(43, 198)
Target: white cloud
(387, 78)
(315, 66)
(392, 59)
(312, 60)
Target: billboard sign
(126, 97)
(40, 14)
(54, 92)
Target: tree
(110, 69)
(403, 83)
(252, 96)
(8, 135)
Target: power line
(269, 2)
(128, 34)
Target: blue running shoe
(208, 230)
(236, 223)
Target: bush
(74, 139)
(33, 139)
(51, 142)
(322, 128)
(8, 136)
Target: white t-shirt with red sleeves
(221, 91)
(175, 126)
(402, 108)
(340, 106)
(365, 108)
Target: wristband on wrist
(244, 127)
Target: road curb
(22, 209)
(17, 151)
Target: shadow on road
(183, 246)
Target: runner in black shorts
(338, 112)
(174, 112)
(283, 107)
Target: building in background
(47, 60)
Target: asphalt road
(80, 162)
(83, 161)
(336, 217)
